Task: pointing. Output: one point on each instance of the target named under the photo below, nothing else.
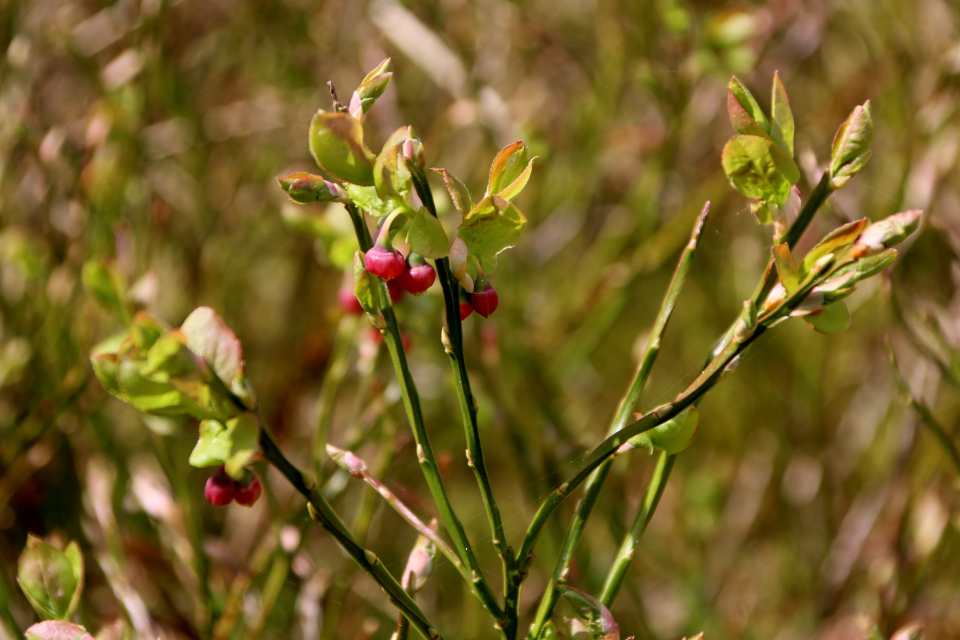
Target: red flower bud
(248, 492)
(348, 301)
(465, 310)
(418, 276)
(220, 489)
(484, 297)
(395, 289)
(383, 262)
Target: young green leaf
(365, 286)
(510, 171)
(458, 191)
(336, 142)
(781, 124)
(233, 444)
(851, 144)
(370, 201)
(741, 119)
(493, 225)
(833, 318)
(786, 267)
(673, 436)
(748, 103)
(833, 242)
(210, 338)
(758, 168)
(51, 579)
(600, 622)
(390, 173)
(374, 84)
(427, 237)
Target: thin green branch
(651, 498)
(708, 378)
(620, 420)
(428, 462)
(453, 345)
(323, 513)
(358, 469)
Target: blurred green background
(147, 135)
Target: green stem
(428, 463)
(651, 499)
(707, 379)
(468, 409)
(595, 483)
(360, 471)
(795, 232)
(323, 513)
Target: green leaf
(786, 267)
(336, 142)
(105, 368)
(427, 237)
(852, 140)
(211, 339)
(51, 579)
(493, 225)
(599, 621)
(833, 242)
(57, 630)
(741, 119)
(365, 286)
(748, 103)
(458, 191)
(758, 168)
(170, 356)
(234, 444)
(374, 84)
(390, 173)
(510, 171)
(370, 201)
(151, 396)
(108, 287)
(144, 331)
(673, 436)
(781, 126)
(833, 318)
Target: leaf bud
(851, 145)
(889, 232)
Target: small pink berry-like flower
(484, 297)
(418, 275)
(384, 263)
(248, 492)
(395, 290)
(465, 310)
(348, 301)
(220, 489)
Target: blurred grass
(149, 134)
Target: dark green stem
(468, 409)
(323, 513)
(651, 498)
(620, 420)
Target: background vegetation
(149, 134)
